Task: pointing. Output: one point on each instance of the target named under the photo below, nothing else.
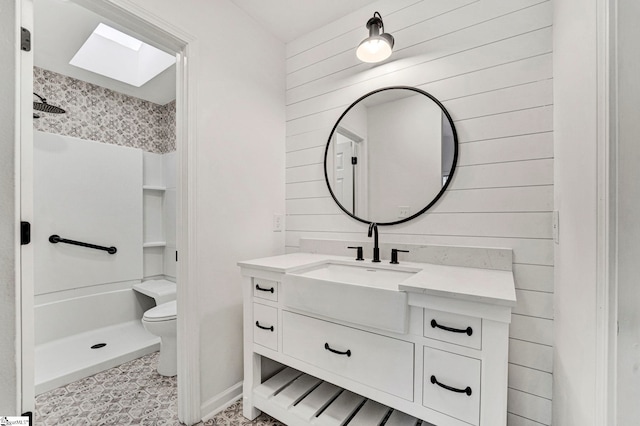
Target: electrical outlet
(403, 211)
(278, 222)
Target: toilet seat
(165, 312)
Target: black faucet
(376, 250)
(394, 255)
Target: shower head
(45, 107)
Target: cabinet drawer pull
(264, 289)
(263, 327)
(467, 330)
(327, 347)
(435, 381)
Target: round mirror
(391, 155)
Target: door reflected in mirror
(391, 155)
(345, 169)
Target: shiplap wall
(490, 63)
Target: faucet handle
(394, 255)
(359, 252)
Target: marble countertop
(458, 282)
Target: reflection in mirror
(390, 155)
(345, 168)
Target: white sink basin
(363, 294)
(358, 274)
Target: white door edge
(24, 205)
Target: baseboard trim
(220, 401)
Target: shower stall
(88, 247)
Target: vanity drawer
(453, 328)
(451, 385)
(265, 326)
(378, 361)
(265, 289)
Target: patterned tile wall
(171, 126)
(99, 114)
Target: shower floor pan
(63, 361)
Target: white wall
(490, 63)
(628, 250)
(240, 169)
(576, 105)
(90, 192)
(8, 219)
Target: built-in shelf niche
(159, 210)
(153, 219)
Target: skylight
(116, 55)
(119, 37)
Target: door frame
(161, 33)
(606, 315)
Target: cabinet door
(265, 326)
(451, 384)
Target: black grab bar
(54, 239)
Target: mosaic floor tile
(129, 394)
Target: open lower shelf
(296, 398)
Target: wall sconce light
(379, 45)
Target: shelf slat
(316, 401)
(277, 383)
(398, 418)
(340, 410)
(296, 399)
(371, 413)
(295, 391)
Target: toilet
(162, 321)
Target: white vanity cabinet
(448, 369)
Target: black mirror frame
(444, 187)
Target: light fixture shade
(376, 48)
(379, 45)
